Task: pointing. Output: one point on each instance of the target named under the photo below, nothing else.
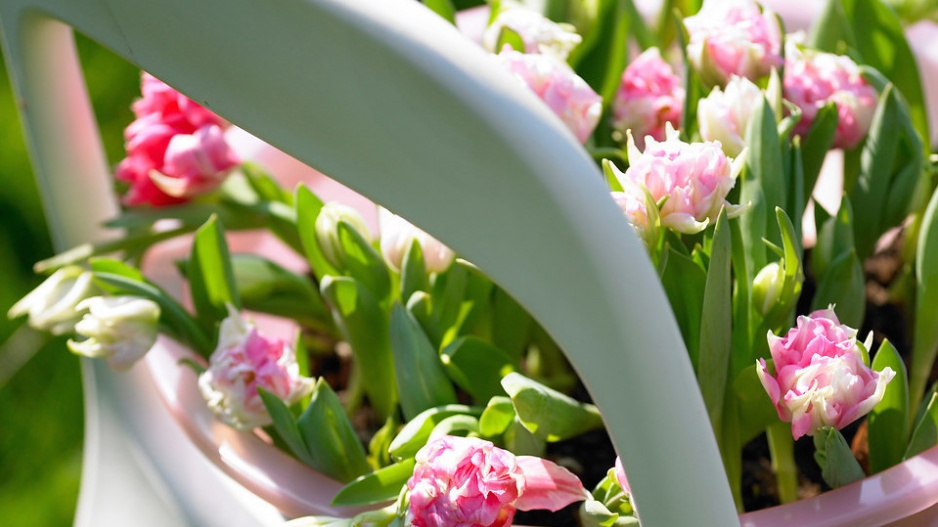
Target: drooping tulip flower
(820, 378)
(327, 230)
(469, 482)
(649, 96)
(54, 305)
(814, 79)
(244, 361)
(121, 329)
(555, 83)
(733, 38)
(724, 115)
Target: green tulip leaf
(330, 438)
(285, 425)
(211, 277)
(497, 417)
(416, 432)
(684, 283)
(477, 366)
(381, 486)
(308, 206)
(833, 455)
(363, 323)
(421, 379)
(548, 413)
(925, 336)
(888, 423)
(925, 432)
(413, 271)
(716, 324)
(363, 262)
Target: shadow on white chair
(392, 101)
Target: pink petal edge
(547, 485)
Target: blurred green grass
(40, 387)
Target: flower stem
(782, 450)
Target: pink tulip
(694, 177)
(244, 361)
(539, 34)
(733, 38)
(171, 107)
(469, 482)
(176, 148)
(567, 95)
(650, 95)
(820, 378)
(620, 477)
(814, 78)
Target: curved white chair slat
(389, 99)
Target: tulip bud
(121, 329)
(538, 33)
(327, 230)
(54, 305)
(767, 287)
(396, 236)
(724, 114)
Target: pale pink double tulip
(555, 83)
(538, 33)
(724, 115)
(176, 148)
(649, 96)
(733, 38)
(694, 177)
(820, 378)
(814, 78)
(244, 361)
(469, 482)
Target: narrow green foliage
(925, 337)
(330, 439)
(833, 455)
(417, 431)
(363, 323)
(888, 423)
(380, 486)
(548, 413)
(421, 378)
(477, 367)
(444, 8)
(211, 277)
(716, 325)
(308, 207)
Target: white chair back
(392, 101)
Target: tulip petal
(547, 485)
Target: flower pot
(904, 495)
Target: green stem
(782, 450)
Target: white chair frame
(392, 101)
